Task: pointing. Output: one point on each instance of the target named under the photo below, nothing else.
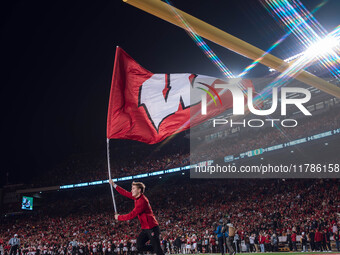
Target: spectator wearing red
(268, 246)
(2, 251)
(294, 241)
(318, 239)
(262, 240)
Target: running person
(148, 222)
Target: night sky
(57, 61)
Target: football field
(277, 253)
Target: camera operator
(229, 231)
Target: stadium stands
(92, 167)
(183, 207)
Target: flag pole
(164, 11)
(109, 171)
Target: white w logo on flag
(162, 94)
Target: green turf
(273, 253)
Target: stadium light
(323, 47)
(161, 9)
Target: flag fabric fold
(150, 107)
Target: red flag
(149, 107)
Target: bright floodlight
(323, 47)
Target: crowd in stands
(187, 210)
(264, 137)
(146, 158)
(87, 168)
(132, 161)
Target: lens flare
(294, 15)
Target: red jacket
(293, 237)
(318, 237)
(142, 210)
(262, 239)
